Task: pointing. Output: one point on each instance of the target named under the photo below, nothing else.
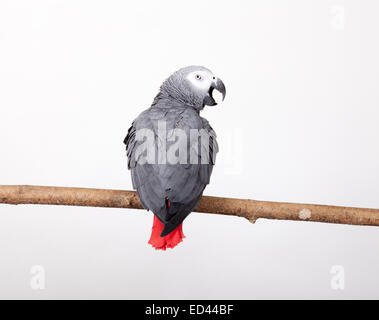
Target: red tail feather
(169, 241)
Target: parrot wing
(180, 184)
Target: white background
(299, 124)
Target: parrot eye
(198, 77)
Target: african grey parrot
(168, 183)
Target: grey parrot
(168, 183)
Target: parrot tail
(170, 241)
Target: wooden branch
(249, 209)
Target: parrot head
(194, 86)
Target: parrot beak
(219, 86)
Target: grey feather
(181, 184)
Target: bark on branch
(249, 209)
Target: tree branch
(249, 209)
